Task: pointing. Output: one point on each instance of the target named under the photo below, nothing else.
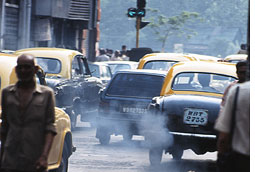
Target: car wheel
(177, 154)
(104, 139)
(127, 137)
(155, 155)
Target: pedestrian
(241, 68)
(123, 50)
(116, 56)
(28, 121)
(123, 53)
(102, 56)
(233, 142)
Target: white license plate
(195, 116)
(134, 110)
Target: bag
(225, 161)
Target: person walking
(28, 121)
(241, 68)
(234, 136)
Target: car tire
(177, 154)
(155, 156)
(104, 139)
(127, 137)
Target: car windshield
(118, 67)
(94, 69)
(135, 85)
(49, 65)
(159, 65)
(204, 82)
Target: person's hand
(41, 164)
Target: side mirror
(101, 91)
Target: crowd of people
(110, 55)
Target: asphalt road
(121, 156)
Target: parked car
(124, 102)
(235, 58)
(162, 61)
(121, 65)
(62, 147)
(67, 72)
(101, 71)
(185, 117)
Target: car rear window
(135, 85)
(49, 65)
(204, 82)
(159, 65)
(118, 67)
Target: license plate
(134, 110)
(195, 116)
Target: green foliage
(164, 27)
(222, 48)
(117, 29)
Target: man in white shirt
(240, 142)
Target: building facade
(68, 24)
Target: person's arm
(223, 144)
(50, 132)
(42, 163)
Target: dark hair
(241, 63)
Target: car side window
(77, 66)
(106, 72)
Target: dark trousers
(241, 162)
(235, 162)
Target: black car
(123, 104)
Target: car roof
(167, 56)
(50, 52)
(204, 66)
(236, 57)
(143, 71)
(119, 62)
(99, 63)
(64, 55)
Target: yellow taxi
(63, 59)
(162, 61)
(187, 109)
(201, 57)
(62, 147)
(234, 58)
(67, 72)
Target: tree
(165, 27)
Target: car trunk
(191, 113)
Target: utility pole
(138, 22)
(138, 12)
